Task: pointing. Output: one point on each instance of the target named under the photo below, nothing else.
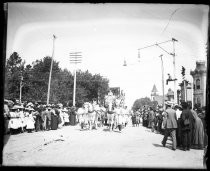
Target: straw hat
(29, 109)
(15, 107)
(64, 110)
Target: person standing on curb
(171, 126)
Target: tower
(154, 92)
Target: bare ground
(136, 147)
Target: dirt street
(134, 147)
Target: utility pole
(175, 91)
(172, 54)
(192, 87)
(75, 58)
(48, 92)
(21, 85)
(162, 81)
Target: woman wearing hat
(30, 124)
(22, 118)
(197, 132)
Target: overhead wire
(169, 20)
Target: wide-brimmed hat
(64, 110)
(178, 106)
(15, 107)
(29, 109)
(30, 104)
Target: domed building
(199, 83)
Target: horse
(81, 115)
(91, 115)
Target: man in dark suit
(171, 126)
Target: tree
(139, 103)
(13, 72)
(36, 77)
(40, 77)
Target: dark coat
(171, 120)
(186, 114)
(73, 118)
(38, 122)
(54, 122)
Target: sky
(107, 34)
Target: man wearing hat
(171, 126)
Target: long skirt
(30, 124)
(54, 122)
(119, 119)
(14, 123)
(72, 119)
(110, 118)
(198, 134)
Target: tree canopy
(36, 77)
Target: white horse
(91, 115)
(82, 117)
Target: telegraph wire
(169, 20)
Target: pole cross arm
(171, 79)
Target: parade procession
(105, 85)
(20, 118)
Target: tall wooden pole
(75, 57)
(75, 77)
(175, 91)
(48, 92)
(21, 85)
(163, 82)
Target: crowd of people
(20, 118)
(186, 126)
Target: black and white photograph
(105, 85)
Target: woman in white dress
(14, 122)
(22, 119)
(30, 123)
(61, 115)
(65, 116)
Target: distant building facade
(156, 97)
(199, 83)
(187, 93)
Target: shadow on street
(158, 145)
